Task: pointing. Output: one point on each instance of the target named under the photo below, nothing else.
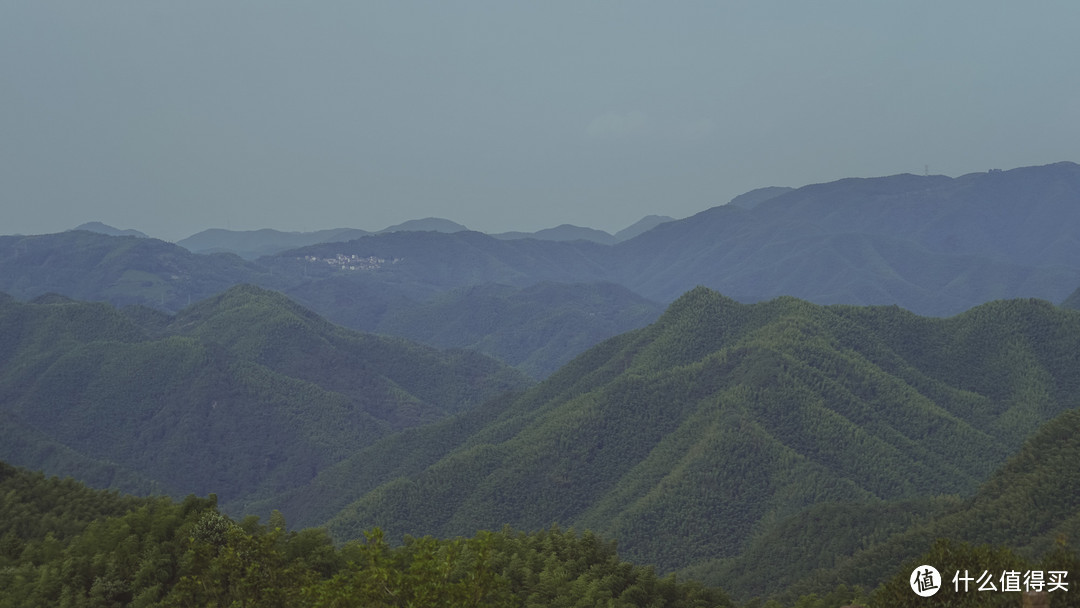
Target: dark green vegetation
(1030, 505)
(245, 394)
(64, 545)
(826, 445)
(702, 436)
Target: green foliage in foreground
(162, 553)
(62, 544)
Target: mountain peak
(101, 228)
(643, 225)
(427, 224)
(753, 198)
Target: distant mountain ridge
(931, 244)
(252, 244)
(109, 230)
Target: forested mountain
(1026, 516)
(829, 445)
(536, 329)
(1031, 505)
(109, 230)
(689, 439)
(241, 394)
(120, 270)
(563, 319)
(63, 544)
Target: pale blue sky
(172, 117)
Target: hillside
(241, 394)
(121, 270)
(536, 329)
(1031, 505)
(563, 232)
(688, 439)
(931, 244)
(251, 244)
(109, 230)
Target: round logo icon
(925, 581)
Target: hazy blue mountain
(251, 244)
(689, 438)
(563, 232)
(426, 263)
(109, 230)
(753, 198)
(428, 224)
(932, 244)
(121, 270)
(243, 394)
(644, 224)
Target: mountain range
(667, 391)
(252, 244)
(719, 439)
(931, 244)
(242, 393)
(690, 438)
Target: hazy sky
(175, 116)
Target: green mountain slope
(244, 394)
(689, 438)
(536, 329)
(121, 270)
(1030, 505)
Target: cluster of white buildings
(352, 262)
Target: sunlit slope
(1031, 505)
(685, 439)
